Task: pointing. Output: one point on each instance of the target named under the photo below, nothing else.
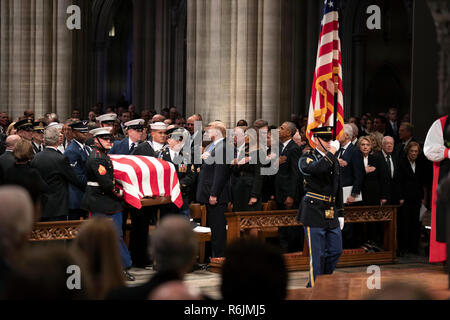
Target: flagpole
(335, 108)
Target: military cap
(323, 132)
(39, 126)
(101, 132)
(159, 126)
(26, 124)
(107, 118)
(137, 124)
(80, 126)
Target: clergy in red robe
(436, 149)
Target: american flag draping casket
(140, 177)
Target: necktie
(132, 147)
(388, 159)
(341, 152)
(210, 148)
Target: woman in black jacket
(246, 179)
(22, 174)
(372, 190)
(411, 175)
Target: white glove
(341, 223)
(336, 144)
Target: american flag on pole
(142, 177)
(329, 63)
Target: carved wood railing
(55, 231)
(242, 221)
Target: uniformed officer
(321, 211)
(77, 153)
(176, 154)
(104, 121)
(24, 129)
(102, 197)
(38, 136)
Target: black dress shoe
(128, 276)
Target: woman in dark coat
(412, 177)
(372, 189)
(22, 174)
(373, 193)
(246, 179)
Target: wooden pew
(239, 222)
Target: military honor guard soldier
(321, 211)
(78, 153)
(174, 153)
(102, 197)
(135, 129)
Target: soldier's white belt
(93, 184)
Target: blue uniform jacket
(121, 147)
(77, 158)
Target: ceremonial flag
(328, 65)
(142, 177)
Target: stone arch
(103, 13)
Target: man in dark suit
(56, 171)
(390, 166)
(213, 187)
(135, 129)
(351, 163)
(78, 153)
(287, 184)
(176, 154)
(157, 143)
(352, 174)
(405, 133)
(7, 160)
(393, 125)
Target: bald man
(7, 160)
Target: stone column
(35, 57)
(440, 10)
(234, 60)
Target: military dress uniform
(186, 176)
(100, 199)
(319, 211)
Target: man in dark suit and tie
(393, 126)
(135, 129)
(213, 188)
(351, 175)
(405, 134)
(287, 186)
(390, 166)
(78, 153)
(56, 171)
